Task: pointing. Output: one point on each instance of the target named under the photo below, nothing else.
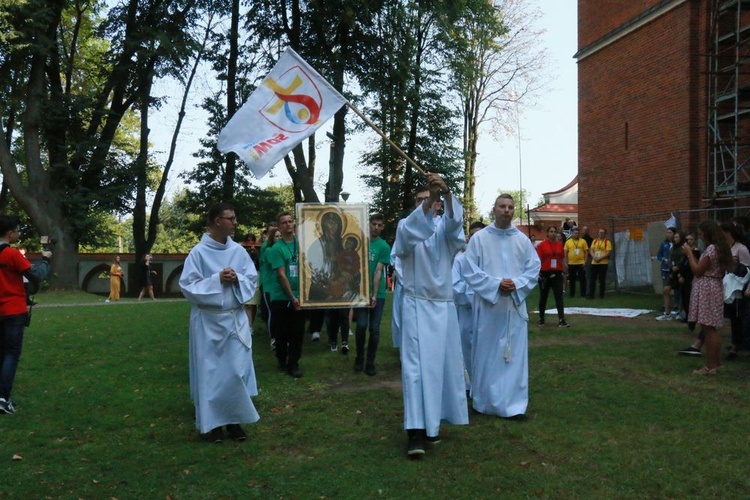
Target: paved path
(123, 302)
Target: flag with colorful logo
(291, 103)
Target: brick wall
(596, 18)
(642, 111)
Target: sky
(545, 159)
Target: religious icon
(334, 245)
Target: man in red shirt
(551, 276)
(13, 312)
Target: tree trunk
(231, 159)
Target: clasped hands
(507, 285)
(228, 276)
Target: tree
(69, 80)
(405, 92)
(497, 66)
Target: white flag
(291, 103)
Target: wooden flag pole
(382, 134)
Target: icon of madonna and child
(334, 260)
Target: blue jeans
(11, 339)
(375, 315)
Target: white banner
(291, 103)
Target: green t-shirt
(380, 251)
(264, 270)
(283, 254)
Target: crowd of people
(445, 292)
(448, 289)
(705, 288)
(459, 318)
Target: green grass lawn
(104, 412)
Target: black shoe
(295, 372)
(433, 439)
(280, 365)
(541, 322)
(517, 418)
(689, 351)
(235, 432)
(344, 348)
(415, 447)
(370, 369)
(215, 436)
(563, 324)
(358, 365)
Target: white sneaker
(6, 406)
(315, 336)
(106, 300)
(664, 317)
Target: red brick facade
(642, 108)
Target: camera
(47, 242)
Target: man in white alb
(431, 362)
(501, 266)
(218, 278)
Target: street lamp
(345, 195)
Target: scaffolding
(729, 101)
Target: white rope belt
(434, 299)
(247, 343)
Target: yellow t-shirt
(575, 251)
(601, 247)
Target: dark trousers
(11, 340)
(338, 321)
(375, 316)
(317, 318)
(734, 312)
(288, 330)
(745, 344)
(598, 273)
(577, 272)
(685, 289)
(551, 280)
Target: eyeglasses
(233, 219)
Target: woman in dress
(115, 279)
(148, 273)
(707, 295)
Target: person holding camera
(14, 314)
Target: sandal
(705, 371)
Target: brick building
(663, 107)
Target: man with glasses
(14, 267)
(218, 278)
